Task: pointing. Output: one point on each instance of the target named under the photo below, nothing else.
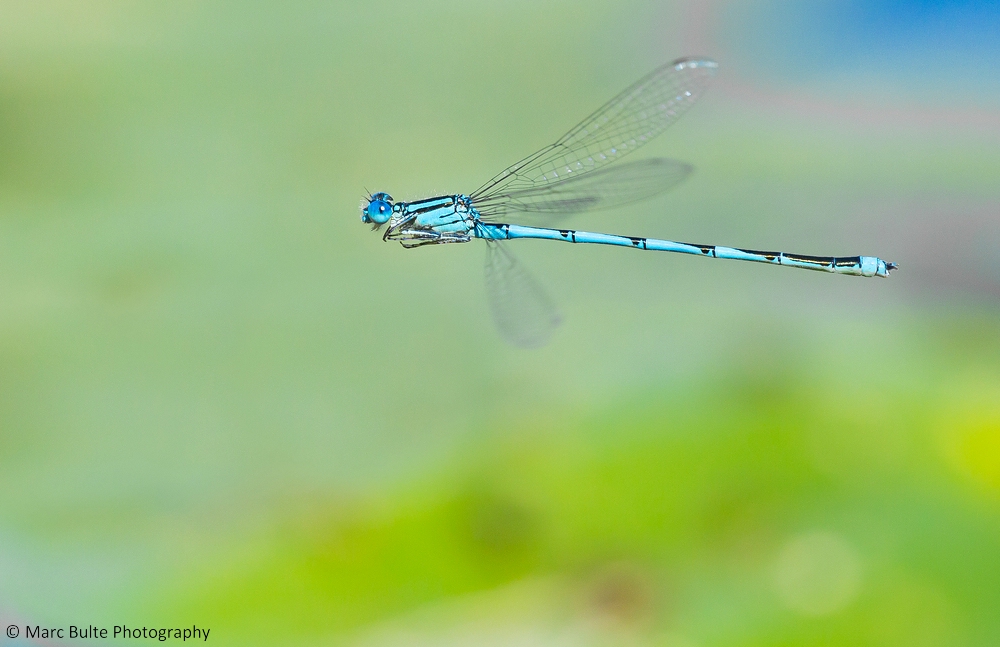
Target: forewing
(613, 186)
(524, 314)
(637, 115)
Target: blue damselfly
(575, 174)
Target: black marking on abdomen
(771, 256)
(812, 260)
(638, 243)
(568, 234)
(850, 261)
(707, 250)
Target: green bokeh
(225, 402)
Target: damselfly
(573, 175)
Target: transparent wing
(637, 115)
(613, 186)
(522, 311)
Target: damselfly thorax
(444, 219)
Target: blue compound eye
(378, 210)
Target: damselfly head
(378, 210)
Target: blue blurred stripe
(953, 43)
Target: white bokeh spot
(817, 573)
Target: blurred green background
(225, 402)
